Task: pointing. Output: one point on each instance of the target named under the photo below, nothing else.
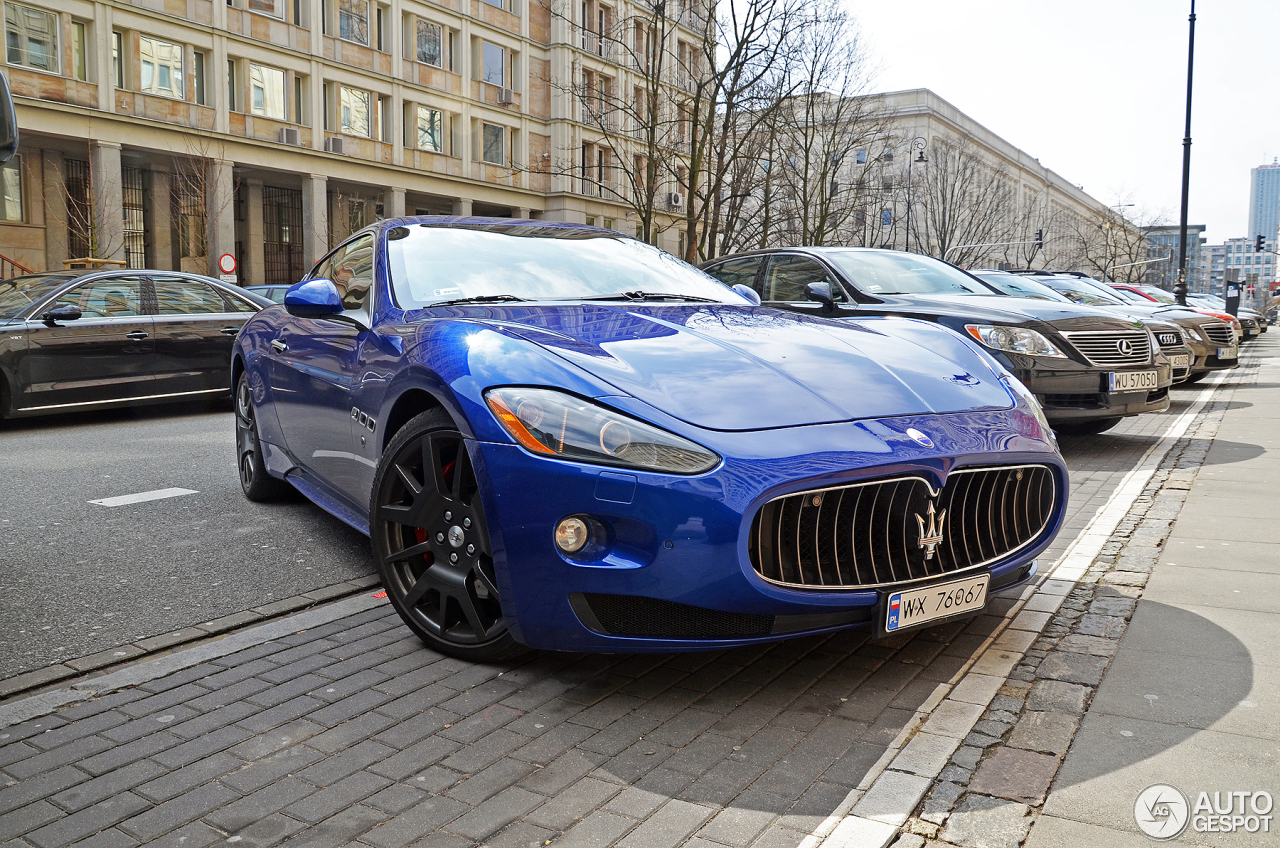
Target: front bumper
(1080, 394)
(679, 545)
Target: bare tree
(1112, 246)
(962, 199)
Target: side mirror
(821, 293)
(62, 313)
(8, 123)
(313, 299)
(748, 292)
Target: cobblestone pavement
(992, 790)
(351, 732)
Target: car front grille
(1168, 340)
(1113, 348)
(899, 530)
(1219, 333)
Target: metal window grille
(188, 215)
(282, 225)
(135, 236)
(76, 180)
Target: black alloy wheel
(1086, 428)
(256, 483)
(429, 535)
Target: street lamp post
(1180, 287)
(917, 144)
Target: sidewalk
(1157, 669)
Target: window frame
(344, 33)
(13, 166)
(344, 126)
(484, 143)
(418, 128)
(177, 86)
(249, 6)
(484, 63)
(263, 112)
(52, 55)
(440, 42)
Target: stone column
(219, 210)
(462, 207)
(108, 200)
(55, 212)
(255, 237)
(315, 219)
(157, 217)
(394, 207)
(523, 212)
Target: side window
(178, 296)
(351, 270)
(788, 275)
(238, 304)
(737, 271)
(109, 297)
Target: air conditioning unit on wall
(675, 200)
(334, 145)
(506, 95)
(289, 135)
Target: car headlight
(556, 424)
(1186, 336)
(1020, 391)
(1013, 340)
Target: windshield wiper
(482, 298)
(644, 295)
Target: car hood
(1000, 309)
(727, 367)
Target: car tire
(255, 482)
(1086, 428)
(432, 545)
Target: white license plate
(1227, 352)
(929, 603)
(1181, 360)
(1133, 381)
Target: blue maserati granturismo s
(560, 437)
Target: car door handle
(279, 345)
(137, 335)
(229, 331)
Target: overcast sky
(1096, 89)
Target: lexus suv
(1088, 368)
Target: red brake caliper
(420, 533)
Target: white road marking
(141, 497)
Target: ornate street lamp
(917, 145)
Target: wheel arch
(410, 403)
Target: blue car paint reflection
(790, 403)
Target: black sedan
(1088, 368)
(80, 340)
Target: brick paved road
(353, 733)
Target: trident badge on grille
(931, 536)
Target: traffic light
(1039, 239)
(1257, 244)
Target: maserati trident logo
(1125, 347)
(931, 536)
(919, 438)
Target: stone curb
(45, 703)
(874, 813)
(31, 681)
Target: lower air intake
(629, 615)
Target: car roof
(534, 228)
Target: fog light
(572, 535)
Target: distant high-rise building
(1264, 201)
(1162, 244)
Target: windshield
(1019, 287)
(435, 264)
(1132, 297)
(893, 272)
(1160, 295)
(1074, 288)
(17, 293)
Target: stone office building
(165, 133)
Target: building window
(497, 3)
(430, 44)
(11, 183)
(495, 142)
(79, 68)
(274, 8)
(161, 65)
(494, 70)
(353, 21)
(231, 85)
(197, 74)
(117, 58)
(886, 217)
(357, 110)
(266, 90)
(31, 36)
(430, 129)
(860, 157)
